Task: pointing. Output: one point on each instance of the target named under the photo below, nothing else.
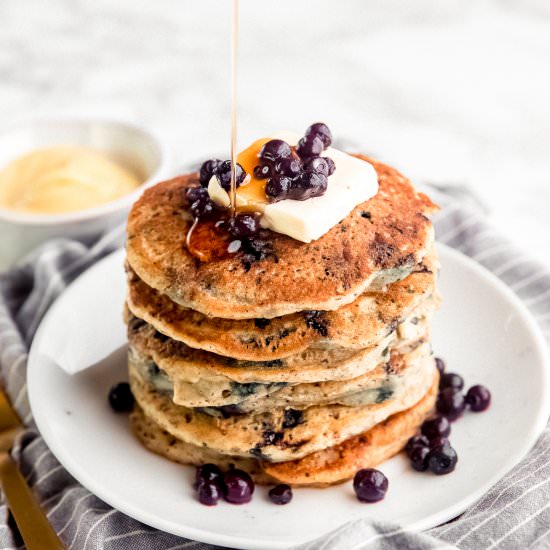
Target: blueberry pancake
(357, 325)
(197, 376)
(217, 397)
(180, 362)
(316, 364)
(377, 243)
(326, 467)
(279, 434)
(282, 328)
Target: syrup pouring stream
(202, 240)
(234, 43)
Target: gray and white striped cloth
(514, 514)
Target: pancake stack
(298, 363)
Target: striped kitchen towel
(514, 514)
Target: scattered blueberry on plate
(478, 398)
(370, 485)
(442, 460)
(415, 441)
(438, 426)
(121, 398)
(280, 494)
(451, 380)
(432, 450)
(238, 487)
(208, 473)
(451, 403)
(419, 457)
(208, 493)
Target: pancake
(312, 365)
(180, 362)
(376, 244)
(280, 434)
(358, 325)
(377, 385)
(322, 468)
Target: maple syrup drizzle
(209, 240)
(234, 45)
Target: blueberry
(289, 167)
(275, 150)
(450, 403)
(223, 174)
(416, 441)
(442, 460)
(208, 169)
(322, 131)
(203, 207)
(208, 473)
(262, 323)
(440, 441)
(278, 187)
(440, 364)
(121, 398)
(209, 492)
(451, 380)
(478, 398)
(257, 249)
(195, 193)
(309, 184)
(436, 427)
(311, 146)
(311, 180)
(262, 171)
(370, 485)
(244, 226)
(280, 494)
(419, 458)
(317, 164)
(238, 487)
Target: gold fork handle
(33, 525)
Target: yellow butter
(63, 179)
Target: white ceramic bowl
(130, 145)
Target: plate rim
(198, 534)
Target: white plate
(482, 331)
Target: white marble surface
(452, 91)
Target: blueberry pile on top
(297, 173)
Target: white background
(454, 92)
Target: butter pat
(354, 181)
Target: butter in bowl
(71, 178)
